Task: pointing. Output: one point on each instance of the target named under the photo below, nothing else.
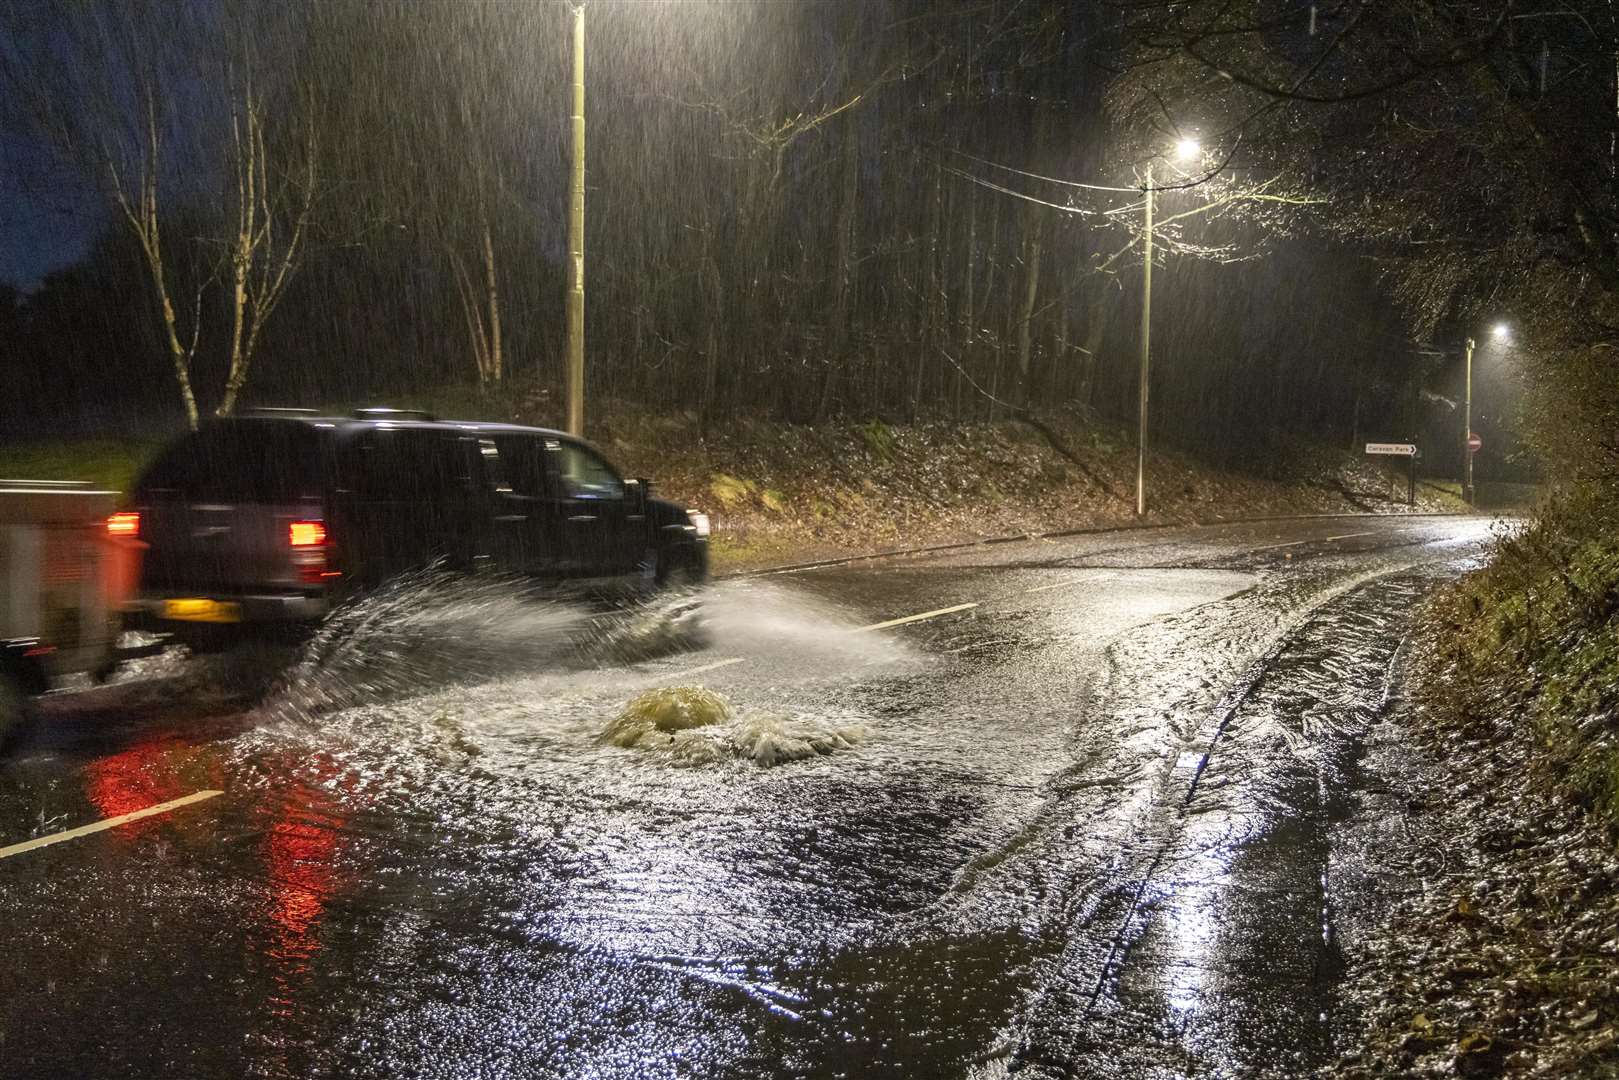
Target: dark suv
(267, 520)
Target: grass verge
(1530, 644)
(107, 463)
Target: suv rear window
(241, 461)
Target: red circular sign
(1474, 443)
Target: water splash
(690, 725)
(423, 632)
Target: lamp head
(1188, 150)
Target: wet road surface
(1055, 808)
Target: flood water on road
(1079, 823)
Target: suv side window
(496, 474)
(523, 457)
(409, 465)
(581, 474)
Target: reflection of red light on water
(302, 847)
(134, 779)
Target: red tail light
(306, 534)
(310, 551)
(126, 524)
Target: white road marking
(1311, 540)
(109, 823)
(716, 665)
(699, 670)
(1273, 547)
(1083, 579)
(916, 618)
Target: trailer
(68, 565)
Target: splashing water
(423, 631)
(777, 622)
(690, 725)
(427, 631)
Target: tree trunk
(844, 272)
(492, 287)
(1059, 364)
(177, 352)
(933, 303)
(969, 314)
(1031, 287)
(1095, 328)
(245, 148)
(472, 312)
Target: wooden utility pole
(576, 237)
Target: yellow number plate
(215, 611)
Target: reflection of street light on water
(1187, 151)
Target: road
(1066, 807)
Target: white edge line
(915, 618)
(108, 823)
(1350, 536)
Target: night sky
(46, 222)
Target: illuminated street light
(1502, 332)
(1188, 150)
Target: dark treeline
(795, 210)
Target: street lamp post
(1186, 150)
(1146, 357)
(1467, 430)
(1503, 334)
(576, 237)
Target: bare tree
(103, 97)
(274, 200)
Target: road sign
(1474, 443)
(1394, 449)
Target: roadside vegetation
(1499, 957)
(106, 463)
(1531, 642)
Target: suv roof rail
(276, 410)
(393, 414)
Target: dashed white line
(1083, 579)
(716, 665)
(1311, 540)
(108, 823)
(916, 618)
(1273, 547)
